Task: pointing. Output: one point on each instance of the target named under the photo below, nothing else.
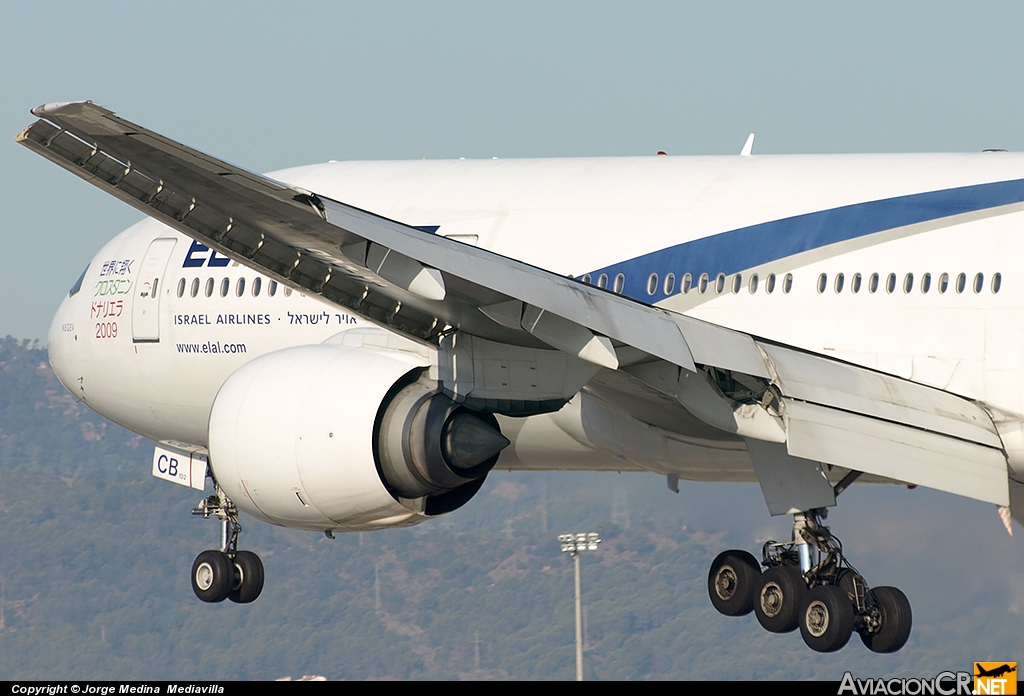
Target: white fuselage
(155, 363)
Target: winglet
(747, 146)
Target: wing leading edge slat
(239, 213)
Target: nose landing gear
(226, 573)
(809, 584)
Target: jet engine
(334, 437)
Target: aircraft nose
(56, 341)
(66, 346)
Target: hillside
(95, 556)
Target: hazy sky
(293, 83)
(269, 87)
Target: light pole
(573, 544)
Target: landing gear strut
(226, 573)
(809, 584)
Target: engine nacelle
(335, 437)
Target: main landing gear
(226, 573)
(808, 584)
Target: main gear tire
(778, 596)
(851, 583)
(826, 619)
(731, 582)
(896, 621)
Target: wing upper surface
(410, 280)
(422, 285)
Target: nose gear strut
(226, 573)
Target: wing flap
(896, 451)
(817, 380)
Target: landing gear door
(148, 289)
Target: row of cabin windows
(942, 284)
(703, 285)
(225, 287)
(602, 281)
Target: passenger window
(737, 283)
(979, 282)
(272, 288)
(240, 287)
(890, 283)
(287, 292)
(194, 291)
(687, 283)
(787, 283)
(181, 288)
(997, 281)
(943, 283)
(652, 284)
(702, 285)
(586, 278)
(720, 283)
(961, 282)
(926, 283)
(753, 283)
(822, 282)
(908, 283)
(620, 282)
(769, 284)
(256, 284)
(225, 285)
(855, 283)
(670, 283)
(602, 281)
(839, 282)
(873, 283)
(209, 287)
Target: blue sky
(294, 83)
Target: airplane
(353, 346)
(996, 672)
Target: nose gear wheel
(226, 573)
(212, 576)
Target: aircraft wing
(790, 406)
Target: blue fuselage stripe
(747, 247)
